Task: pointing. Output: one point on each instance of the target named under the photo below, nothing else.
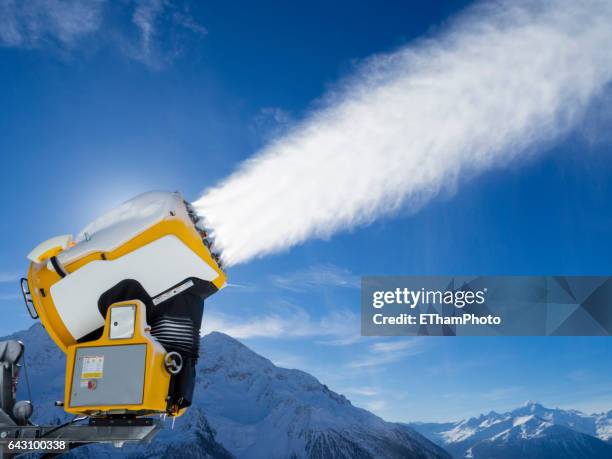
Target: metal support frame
(112, 430)
(79, 435)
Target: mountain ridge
(245, 407)
(529, 431)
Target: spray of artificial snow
(501, 80)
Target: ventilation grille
(177, 334)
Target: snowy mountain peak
(244, 407)
(227, 352)
(531, 430)
(531, 407)
(216, 338)
(522, 420)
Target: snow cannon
(124, 300)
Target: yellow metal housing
(156, 377)
(71, 312)
(41, 277)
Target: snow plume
(504, 78)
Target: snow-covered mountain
(530, 431)
(245, 407)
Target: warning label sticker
(93, 367)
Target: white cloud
(185, 20)
(324, 275)
(64, 24)
(33, 23)
(345, 340)
(145, 17)
(362, 391)
(287, 321)
(160, 24)
(385, 353)
(241, 287)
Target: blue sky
(102, 101)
